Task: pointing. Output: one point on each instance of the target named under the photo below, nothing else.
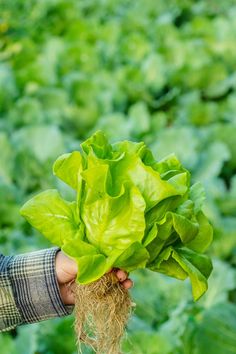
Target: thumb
(66, 268)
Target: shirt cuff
(35, 287)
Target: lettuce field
(162, 72)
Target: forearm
(29, 291)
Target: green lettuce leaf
(54, 217)
(182, 262)
(134, 257)
(68, 168)
(153, 188)
(92, 267)
(204, 236)
(115, 222)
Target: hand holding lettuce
(130, 212)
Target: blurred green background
(160, 71)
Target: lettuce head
(130, 212)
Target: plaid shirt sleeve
(29, 291)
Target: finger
(67, 295)
(121, 275)
(70, 299)
(66, 268)
(127, 284)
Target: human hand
(66, 271)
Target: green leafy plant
(131, 70)
(130, 212)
